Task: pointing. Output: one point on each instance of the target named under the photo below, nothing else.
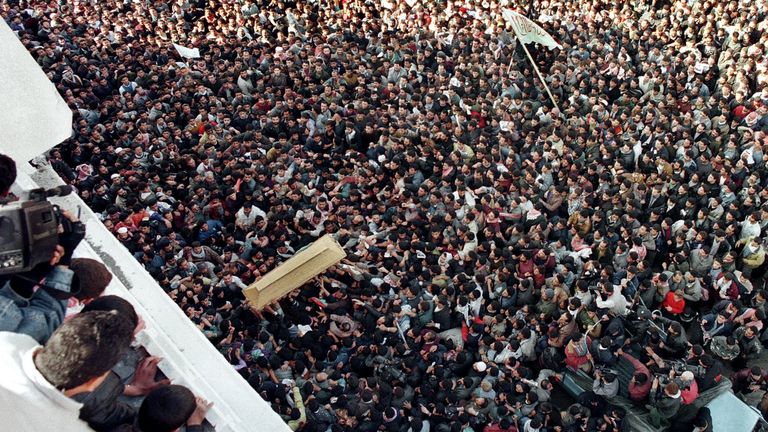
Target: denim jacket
(39, 315)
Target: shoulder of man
(10, 342)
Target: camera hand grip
(69, 239)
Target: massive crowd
(495, 240)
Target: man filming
(664, 403)
(35, 302)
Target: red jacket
(639, 392)
(572, 357)
(690, 394)
(672, 305)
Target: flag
(191, 53)
(528, 31)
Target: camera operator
(605, 384)
(613, 420)
(37, 382)
(686, 381)
(35, 302)
(664, 403)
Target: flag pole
(536, 68)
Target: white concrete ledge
(188, 357)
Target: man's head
(166, 409)
(672, 390)
(701, 423)
(675, 328)
(93, 276)
(110, 303)
(84, 349)
(640, 378)
(7, 174)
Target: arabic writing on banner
(528, 31)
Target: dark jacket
(706, 415)
(602, 357)
(742, 381)
(101, 409)
(443, 318)
(712, 376)
(666, 405)
(750, 348)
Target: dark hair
(7, 173)
(113, 303)
(83, 348)
(93, 275)
(166, 409)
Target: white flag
(192, 53)
(528, 31)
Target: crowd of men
(496, 240)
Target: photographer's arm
(37, 316)
(656, 358)
(664, 321)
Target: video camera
(679, 367)
(29, 230)
(604, 369)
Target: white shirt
(469, 197)
(27, 401)
(749, 229)
(247, 221)
(617, 303)
(236, 283)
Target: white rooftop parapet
(34, 117)
(188, 357)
